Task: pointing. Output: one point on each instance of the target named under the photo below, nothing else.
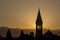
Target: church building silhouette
(39, 26)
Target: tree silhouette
(8, 36)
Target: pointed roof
(39, 19)
(49, 34)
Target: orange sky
(23, 13)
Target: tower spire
(39, 19)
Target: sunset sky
(23, 13)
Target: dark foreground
(47, 36)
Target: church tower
(39, 26)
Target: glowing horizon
(23, 13)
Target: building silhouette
(39, 26)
